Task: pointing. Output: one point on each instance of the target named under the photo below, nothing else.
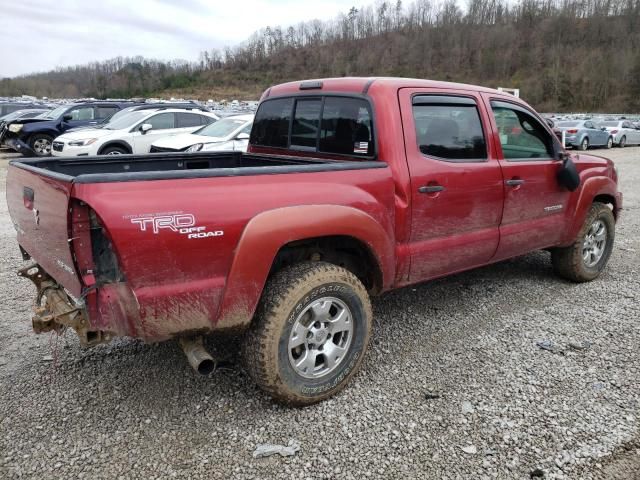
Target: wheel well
(345, 251)
(125, 146)
(48, 134)
(607, 200)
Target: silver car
(583, 134)
(623, 131)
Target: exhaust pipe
(199, 359)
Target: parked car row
(584, 134)
(112, 128)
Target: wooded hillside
(562, 54)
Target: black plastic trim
(300, 165)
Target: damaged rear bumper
(55, 309)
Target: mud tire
(265, 348)
(568, 262)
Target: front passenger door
(534, 202)
(162, 125)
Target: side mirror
(568, 175)
(604, 129)
(145, 127)
(67, 117)
(242, 136)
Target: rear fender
(269, 231)
(591, 188)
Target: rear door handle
(431, 189)
(514, 182)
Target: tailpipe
(199, 359)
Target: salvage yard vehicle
(583, 134)
(17, 115)
(351, 187)
(623, 131)
(34, 136)
(132, 133)
(230, 133)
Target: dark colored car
(34, 136)
(350, 187)
(19, 115)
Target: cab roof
(364, 84)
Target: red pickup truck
(351, 187)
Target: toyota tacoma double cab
(350, 187)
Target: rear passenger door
(535, 203)
(456, 182)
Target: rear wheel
(310, 333)
(584, 145)
(586, 258)
(623, 142)
(610, 142)
(41, 144)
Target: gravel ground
(454, 386)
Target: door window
(186, 120)
(161, 121)
(449, 128)
(81, 113)
(522, 136)
(589, 125)
(106, 112)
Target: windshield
(55, 113)
(609, 123)
(568, 124)
(126, 120)
(221, 128)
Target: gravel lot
(454, 386)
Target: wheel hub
(320, 337)
(594, 243)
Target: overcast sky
(38, 35)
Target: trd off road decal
(179, 222)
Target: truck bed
(161, 166)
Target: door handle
(431, 189)
(514, 182)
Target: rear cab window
(331, 124)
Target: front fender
(269, 231)
(591, 188)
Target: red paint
(175, 284)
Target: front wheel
(41, 145)
(586, 258)
(610, 143)
(113, 151)
(310, 334)
(584, 145)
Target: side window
(246, 129)
(271, 124)
(521, 135)
(81, 113)
(161, 121)
(306, 121)
(589, 125)
(346, 127)
(105, 112)
(626, 125)
(185, 120)
(449, 128)
(204, 120)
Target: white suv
(131, 133)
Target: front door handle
(514, 182)
(431, 189)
